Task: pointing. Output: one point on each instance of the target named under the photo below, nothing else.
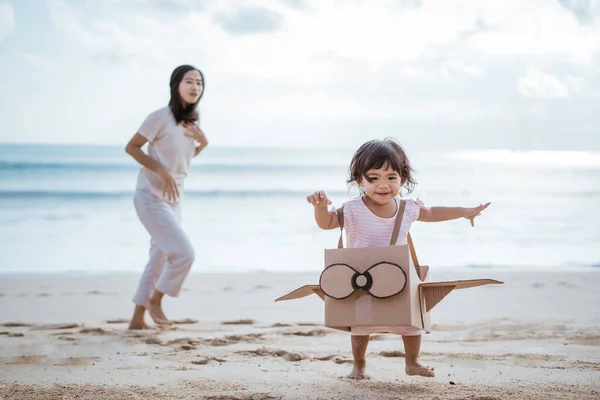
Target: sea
(69, 209)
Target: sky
(508, 74)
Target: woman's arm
(134, 149)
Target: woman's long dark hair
(182, 112)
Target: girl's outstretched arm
(324, 218)
(438, 214)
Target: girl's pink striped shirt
(365, 229)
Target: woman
(174, 138)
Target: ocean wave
(18, 166)
(99, 195)
(534, 158)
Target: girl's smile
(381, 185)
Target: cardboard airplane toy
(379, 286)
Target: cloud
(579, 8)
(535, 27)
(322, 70)
(249, 20)
(160, 8)
(295, 3)
(7, 19)
(37, 60)
(543, 85)
(104, 39)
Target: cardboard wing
(378, 286)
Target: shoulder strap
(340, 216)
(396, 232)
(399, 217)
(413, 253)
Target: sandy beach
(65, 337)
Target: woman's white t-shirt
(168, 145)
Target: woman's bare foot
(358, 372)
(137, 320)
(418, 369)
(138, 325)
(156, 313)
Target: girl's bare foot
(156, 313)
(418, 369)
(358, 372)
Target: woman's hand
(170, 188)
(193, 131)
(471, 213)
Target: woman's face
(191, 87)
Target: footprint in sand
(249, 338)
(74, 361)
(185, 341)
(239, 322)
(67, 338)
(27, 360)
(392, 354)
(14, 324)
(185, 321)
(62, 333)
(52, 327)
(99, 293)
(152, 340)
(264, 352)
(326, 358)
(537, 285)
(96, 331)
(343, 361)
(205, 361)
(314, 332)
(232, 339)
(566, 284)
(118, 321)
(337, 359)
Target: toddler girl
(380, 168)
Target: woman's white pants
(171, 253)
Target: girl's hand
(471, 213)
(193, 131)
(318, 199)
(170, 188)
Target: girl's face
(191, 87)
(381, 185)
